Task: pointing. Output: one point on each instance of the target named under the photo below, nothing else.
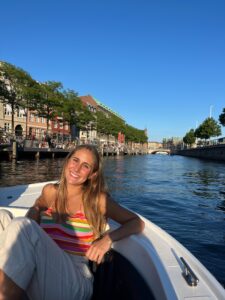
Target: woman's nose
(77, 167)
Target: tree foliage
(51, 100)
(71, 107)
(117, 125)
(189, 138)
(112, 124)
(109, 124)
(135, 135)
(209, 128)
(85, 118)
(222, 118)
(17, 88)
(102, 123)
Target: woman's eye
(86, 167)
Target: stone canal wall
(216, 152)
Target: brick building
(90, 134)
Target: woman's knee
(5, 219)
(23, 228)
(6, 213)
(23, 223)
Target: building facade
(60, 130)
(90, 132)
(6, 119)
(110, 139)
(36, 126)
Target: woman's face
(79, 167)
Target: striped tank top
(74, 236)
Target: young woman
(49, 258)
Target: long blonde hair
(92, 190)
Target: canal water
(185, 196)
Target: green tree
(17, 88)
(189, 138)
(85, 118)
(51, 100)
(222, 118)
(75, 113)
(209, 128)
(117, 125)
(110, 124)
(71, 107)
(135, 135)
(102, 123)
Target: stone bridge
(160, 150)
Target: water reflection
(205, 182)
(221, 206)
(208, 185)
(202, 177)
(117, 168)
(29, 171)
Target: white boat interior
(151, 265)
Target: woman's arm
(41, 203)
(130, 224)
(34, 211)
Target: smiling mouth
(74, 175)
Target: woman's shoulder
(49, 194)
(50, 188)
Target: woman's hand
(34, 214)
(98, 249)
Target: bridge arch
(163, 151)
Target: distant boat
(151, 265)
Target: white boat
(156, 266)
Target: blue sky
(160, 64)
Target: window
(20, 113)
(7, 110)
(32, 119)
(7, 127)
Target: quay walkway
(14, 151)
(211, 152)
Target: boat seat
(117, 279)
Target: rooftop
(108, 109)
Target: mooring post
(14, 150)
